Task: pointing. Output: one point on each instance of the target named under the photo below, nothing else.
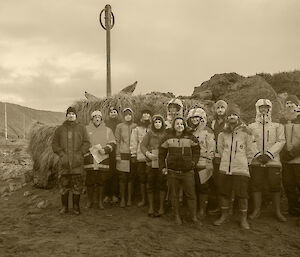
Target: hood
(197, 112)
(157, 117)
(178, 102)
(259, 116)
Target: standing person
(97, 166)
(124, 164)
(178, 155)
(217, 126)
(111, 188)
(290, 156)
(270, 140)
(137, 156)
(155, 179)
(174, 109)
(236, 147)
(70, 143)
(197, 121)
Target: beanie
(113, 108)
(292, 98)
(127, 110)
(95, 113)
(146, 111)
(221, 103)
(233, 109)
(71, 109)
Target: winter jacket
(105, 137)
(179, 153)
(217, 126)
(123, 155)
(237, 148)
(151, 143)
(137, 136)
(70, 142)
(291, 151)
(270, 139)
(112, 123)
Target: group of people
(207, 162)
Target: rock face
(242, 91)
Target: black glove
(263, 159)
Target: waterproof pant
(155, 180)
(71, 183)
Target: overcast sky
(52, 51)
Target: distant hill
(17, 114)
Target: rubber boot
(101, 196)
(90, 196)
(129, 202)
(64, 203)
(256, 205)
(243, 205)
(202, 206)
(150, 201)
(98, 201)
(276, 205)
(122, 194)
(162, 197)
(143, 195)
(224, 212)
(192, 205)
(175, 201)
(76, 207)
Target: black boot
(65, 203)
(76, 208)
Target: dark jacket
(70, 143)
(179, 153)
(112, 123)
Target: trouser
(96, 177)
(141, 172)
(155, 180)
(71, 183)
(111, 186)
(259, 176)
(291, 183)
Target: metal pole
(109, 23)
(5, 120)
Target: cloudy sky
(52, 51)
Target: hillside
(16, 114)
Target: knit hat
(126, 110)
(196, 112)
(292, 98)
(113, 108)
(95, 113)
(221, 103)
(71, 109)
(146, 111)
(233, 109)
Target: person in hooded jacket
(290, 156)
(174, 109)
(103, 141)
(137, 156)
(155, 178)
(70, 142)
(178, 155)
(270, 140)
(123, 156)
(237, 147)
(111, 188)
(217, 125)
(197, 121)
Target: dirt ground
(30, 225)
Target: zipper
(268, 136)
(263, 134)
(230, 152)
(235, 148)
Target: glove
(102, 151)
(164, 171)
(150, 156)
(263, 159)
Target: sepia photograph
(149, 128)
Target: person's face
(146, 116)
(179, 125)
(220, 110)
(113, 114)
(97, 120)
(157, 124)
(71, 116)
(195, 120)
(264, 109)
(290, 105)
(128, 117)
(232, 118)
(173, 108)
